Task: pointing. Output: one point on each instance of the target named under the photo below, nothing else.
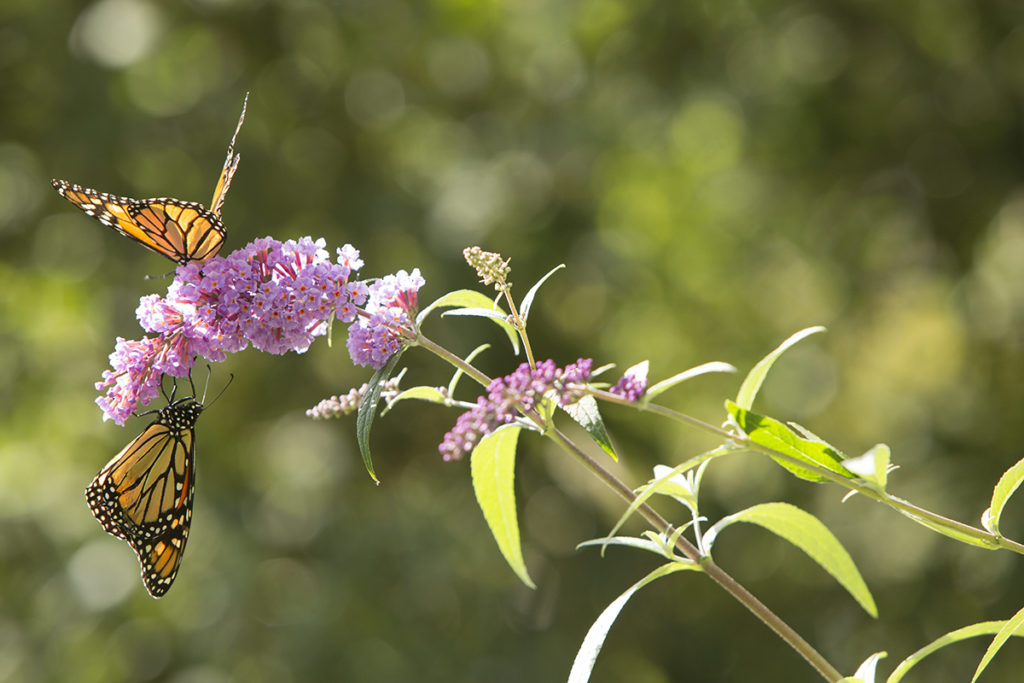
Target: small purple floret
(631, 387)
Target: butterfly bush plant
(279, 296)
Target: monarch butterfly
(144, 494)
(179, 230)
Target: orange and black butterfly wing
(230, 166)
(144, 494)
(181, 231)
(178, 230)
(108, 209)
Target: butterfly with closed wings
(144, 494)
(179, 230)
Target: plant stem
(451, 358)
(716, 573)
(520, 325)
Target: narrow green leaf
(634, 542)
(458, 371)
(368, 410)
(1013, 624)
(499, 317)
(866, 672)
(777, 436)
(665, 481)
(752, 384)
(524, 307)
(1005, 488)
(493, 465)
(665, 384)
(424, 393)
(460, 298)
(952, 533)
(585, 412)
(676, 486)
(984, 628)
(806, 532)
(583, 665)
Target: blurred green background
(714, 175)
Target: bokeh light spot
(116, 33)
(102, 575)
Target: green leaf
(665, 483)
(806, 532)
(524, 307)
(676, 486)
(984, 628)
(650, 545)
(752, 384)
(458, 371)
(493, 464)
(665, 384)
(953, 533)
(583, 665)
(368, 410)
(499, 317)
(778, 437)
(1005, 488)
(872, 467)
(429, 394)
(866, 672)
(1010, 628)
(585, 412)
(460, 298)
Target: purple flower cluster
(390, 309)
(511, 395)
(631, 386)
(275, 296)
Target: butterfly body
(144, 494)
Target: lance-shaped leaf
(497, 316)
(424, 393)
(984, 628)
(458, 371)
(493, 465)
(592, 642)
(524, 307)
(1010, 628)
(866, 671)
(663, 484)
(666, 384)
(585, 412)
(368, 410)
(778, 437)
(755, 378)
(1005, 487)
(470, 300)
(806, 532)
(460, 298)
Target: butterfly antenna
(231, 378)
(158, 277)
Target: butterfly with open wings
(179, 230)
